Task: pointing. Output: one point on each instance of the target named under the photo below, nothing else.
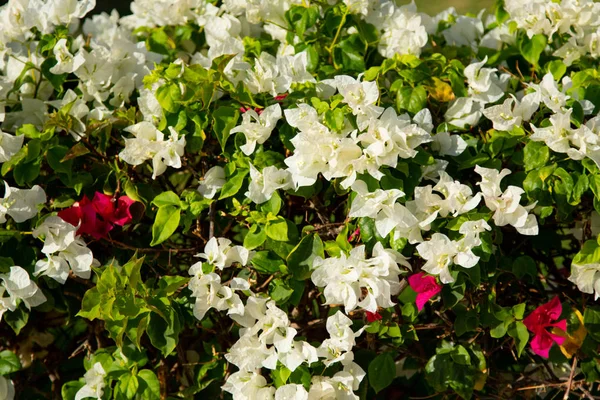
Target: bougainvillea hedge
(292, 200)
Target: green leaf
(266, 262)
(280, 291)
(167, 199)
(280, 376)
(301, 258)
(168, 97)
(165, 224)
(466, 320)
(70, 389)
(55, 80)
(278, 230)
(17, 319)
(224, 120)
(90, 305)
(591, 320)
(524, 266)
(518, 331)
(233, 183)
(128, 385)
(255, 237)
(411, 99)
(164, 330)
(535, 155)
(302, 18)
(349, 54)
(149, 385)
(382, 371)
(557, 68)
(531, 49)
(9, 362)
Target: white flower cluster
(257, 128)
(270, 327)
(19, 288)
(506, 205)
(64, 251)
(108, 72)
(579, 19)
(440, 252)
(403, 31)
(410, 220)
(484, 86)
(356, 281)
(149, 143)
(266, 336)
(383, 137)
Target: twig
(546, 385)
(570, 382)
(586, 393)
(211, 214)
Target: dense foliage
(284, 199)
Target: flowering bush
(284, 199)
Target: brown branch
(573, 366)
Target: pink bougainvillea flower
(281, 97)
(122, 215)
(372, 317)
(541, 318)
(426, 287)
(98, 216)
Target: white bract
(213, 181)
(149, 143)
(21, 204)
(356, 281)
(257, 128)
(506, 206)
(19, 288)
(94, 383)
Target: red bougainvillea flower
(281, 97)
(372, 317)
(541, 318)
(426, 287)
(98, 216)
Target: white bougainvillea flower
(94, 383)
(146, 143)
(76, 257)
(448, 145)
(9, 145)
(438, 252)
(291, 391)
(169, 153)
(264, 183)
(361, 97)
(213, 181)
(248, 385)
(556, 136)
(57, 233)
(19, 286)
(463, 112)
(506, 206)
(21, 204)
(257, 128)
(66, 62)
(219, 253)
